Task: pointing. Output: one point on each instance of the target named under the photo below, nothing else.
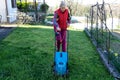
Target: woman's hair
(62, 4)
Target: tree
(76, 8)
(44, 7)
(44, 1)
(70, 5)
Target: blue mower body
(61, 63)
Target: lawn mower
(60, 66)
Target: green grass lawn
(27, 54)
(49, 18)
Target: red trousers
(61, 39)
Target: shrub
(44, 7)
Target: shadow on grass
(27, 54)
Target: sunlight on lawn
(36, 26)
(46, 27)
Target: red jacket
(63, 18)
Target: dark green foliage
(50, 15)
(44, 7)
(30, 7)
(22, 6)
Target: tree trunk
(44, 1)
(36, 14)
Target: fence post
(97, 24)
(109, 48)
(91, 22)
(0, 20)
(87, 21)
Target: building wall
(12, 12)
(3, 10)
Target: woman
(61, 22)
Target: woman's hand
(68, 25)
(58, 29)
